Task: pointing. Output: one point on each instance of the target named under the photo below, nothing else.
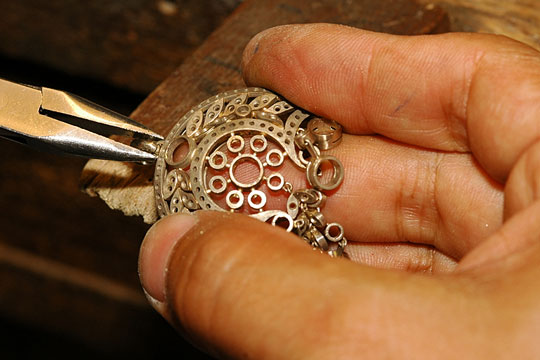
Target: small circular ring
(269, 156)
(317, 238)
(286, 217)
(331, 228)
(171, 148)
(256, 139)
(326, 133)
(236, 204)
(313, 169)
(214, 164)
(239, 159)
(273, 187)
(232, 140)
(221, 188)
(254, 194)
(243, 110)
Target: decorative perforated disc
(227, 153)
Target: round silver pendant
(228, 153)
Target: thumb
(242, 289)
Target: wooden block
(518, 19)
(214, 67)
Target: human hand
(442, 170)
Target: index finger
(451, 92)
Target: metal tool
(199, 164)
(58, 121)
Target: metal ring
(240, 159)
(283, 216)
(255, 139)
(240, 199)
(261, 195)
(212, 160)
(213, 188)
(329, 229)
(317, 238)
(169, 153)
(269, 158)
(326, 133)
(243, 110)
(277, 187)
(233, 139)
(313, 168)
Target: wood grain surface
(133, 44)
(518, 19)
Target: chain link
(310, 223)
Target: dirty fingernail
(156, 250)
(253, 47)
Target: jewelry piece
(226, 154)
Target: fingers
(454, 92)
(157, 253)
(506, 247)
(521, 211)
(401, 256)
(523, 185)
(397, 193)
(242, 289)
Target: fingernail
(251, 49)
(253, 46)
(276, 34)
(156, 250)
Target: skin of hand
(439, 203)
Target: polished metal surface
(57, 121)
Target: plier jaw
(62, 122)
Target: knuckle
(422, 261)
(416, 208)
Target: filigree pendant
(235, 151)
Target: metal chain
(305, 207)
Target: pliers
(58, 121)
